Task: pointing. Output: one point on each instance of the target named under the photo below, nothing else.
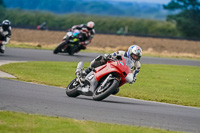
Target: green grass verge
(12, 122)
(162, 83)
(28, 46)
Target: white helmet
(134, 52)
(90, 24)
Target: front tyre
(59, 47)
(71, 89)
(101, 93)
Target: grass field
(162, 83)
(12, 122)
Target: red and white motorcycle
(103, 81)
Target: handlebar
(111, 59)
(114, 58)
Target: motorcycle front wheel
(71, 89)
(102, 92)
(59, 48)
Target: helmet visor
(135, 57)
(5, 27)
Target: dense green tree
(103, 24)
(188, 18)
(2, 4)
(2, 10)
(95, 7)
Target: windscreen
(76, 32)
(129, 62)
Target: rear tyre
(73, 49)
(109, 88)
(71, 52)
(59, 48)
(2, 50)
(71, 89)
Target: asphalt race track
(47, 100)
(18, 54)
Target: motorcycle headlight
(129, 78)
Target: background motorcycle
(103, 81)
(70, 43)
(43, 26)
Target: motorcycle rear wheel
(59, 48)
(109, 88)
(73, 49)
(71, 52)
(71, 89)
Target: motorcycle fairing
(90, 84)
(113, 67)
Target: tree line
(102, 24)
(188, 20)
(186, 23)
(109, 8)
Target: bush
(102, 24)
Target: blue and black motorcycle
(70, 44)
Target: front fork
(106, 80)
(65, 46)
(109, 77)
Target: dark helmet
(6, 24)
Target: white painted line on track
(6, 75)
(155, 102)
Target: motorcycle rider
(87, 31)
(134, 53)
(43, 26)
(5, 34)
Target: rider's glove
(82, 43)
(133, 81)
